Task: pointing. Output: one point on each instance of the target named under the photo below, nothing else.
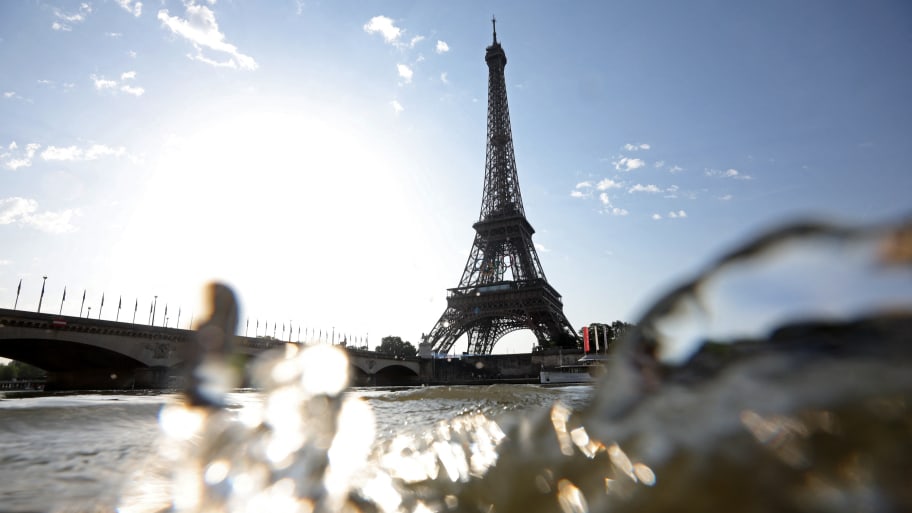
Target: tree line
(608, 334)
(14, 370)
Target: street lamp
(89, 314)
(40, 299)
(154, 304)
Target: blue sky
(326, 158)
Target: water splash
(776, 380)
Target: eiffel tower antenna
(503, 287)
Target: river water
(69, 452)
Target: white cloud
(201, 29)
(52, 222)
(65, 20)
(726, 197)
(383, 26)
(75, 153)
(644, 188)
(14, 209)
(443, 78)
(405, 72)
(583, 185)
(442, 47)
(656, 217)
(415, 40)
(68, 153)
(397, 107)
(680, 214)
(659, 163)
(608, 183)
(100, 150)
(728, 173)
(578, 194)
(609, 208)
(635, 147)
(135, 91)
(103, 83)
(24, 211)
(15, 159)
(628, 164)
(135, 9)
(675, 169)
(114, 35)
(671, 192)
(541, 247)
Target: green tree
(608, 334)
(396, 346)
(18, 370)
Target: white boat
(587, 369)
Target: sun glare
(270, 197)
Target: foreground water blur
(776, 380)
(91, 452)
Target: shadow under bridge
(375, 369)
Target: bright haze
(326, 159)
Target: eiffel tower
(503, 287)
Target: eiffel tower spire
(503, 287)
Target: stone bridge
(80, 353)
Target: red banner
(586, 339)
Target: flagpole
(101, 306)
(135, 307)
(177, 325)
(18, 289)
(83, 302)
(62, 300)
(40, 299)
(119, 300)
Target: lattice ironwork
(503, 287)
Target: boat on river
(586, 370)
